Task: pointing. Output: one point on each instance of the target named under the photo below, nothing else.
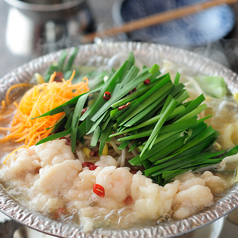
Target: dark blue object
(193, 30)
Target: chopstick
(155, 19)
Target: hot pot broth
(62, 188)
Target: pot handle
(8, 228)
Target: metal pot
(38, 27)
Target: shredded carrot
(15, 86)
(38, 100)
(13, 153)
(3, 104)
(52, 77)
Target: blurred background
(31, 28)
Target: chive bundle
(147, 111)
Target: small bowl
(190, 31)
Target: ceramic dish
(100, 55)
(194, 30)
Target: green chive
(55, 136)
(71, 59)
(95, 137)
(75, 120)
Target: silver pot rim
(45, 7)
(99, 54)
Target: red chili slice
(147, 81)
(59, 76)
(107, 95)
(92, 167)
(83, 111)
(128, 200)
(99, 190)
(134, 171)
(87, 164)
(123, 106)
(60, 212)
(133, 90)
(68, 141)
(94, 153)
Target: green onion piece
(179, 143)
(183, 161)
(84, 127)
(96, 124)
(193, 113)
(69, 122)
(75, 120)
(168, 175)
(174, 145)
(166, 103)
(202, 159)
(150, 122)
(71, 59)
(232, 151)
(183, 95)
(82, 141)
(157, 148)
(143, 113)
(113, 113)
(159, 124)
(154, 78)
(163, 86)
(177, 77)
(134, 145)
(131, 97)
(123, 145)
(104, 137)
(202, 136)
(144, 101)
(177, 89)
(146, 164)
(54, 136)
(171, 128)
(173, 164)
(136, 136)
(204, 118)
(183, 125)
(60, 124)
(193, 105)
(137, 93)
(67, 110)
(130, 75)
(116, 89)
(104, 125)
(95, 137)
(130, 63)
(99, 101)
(120, 94)
(62, 60)
(196, 149)
(154, 70)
